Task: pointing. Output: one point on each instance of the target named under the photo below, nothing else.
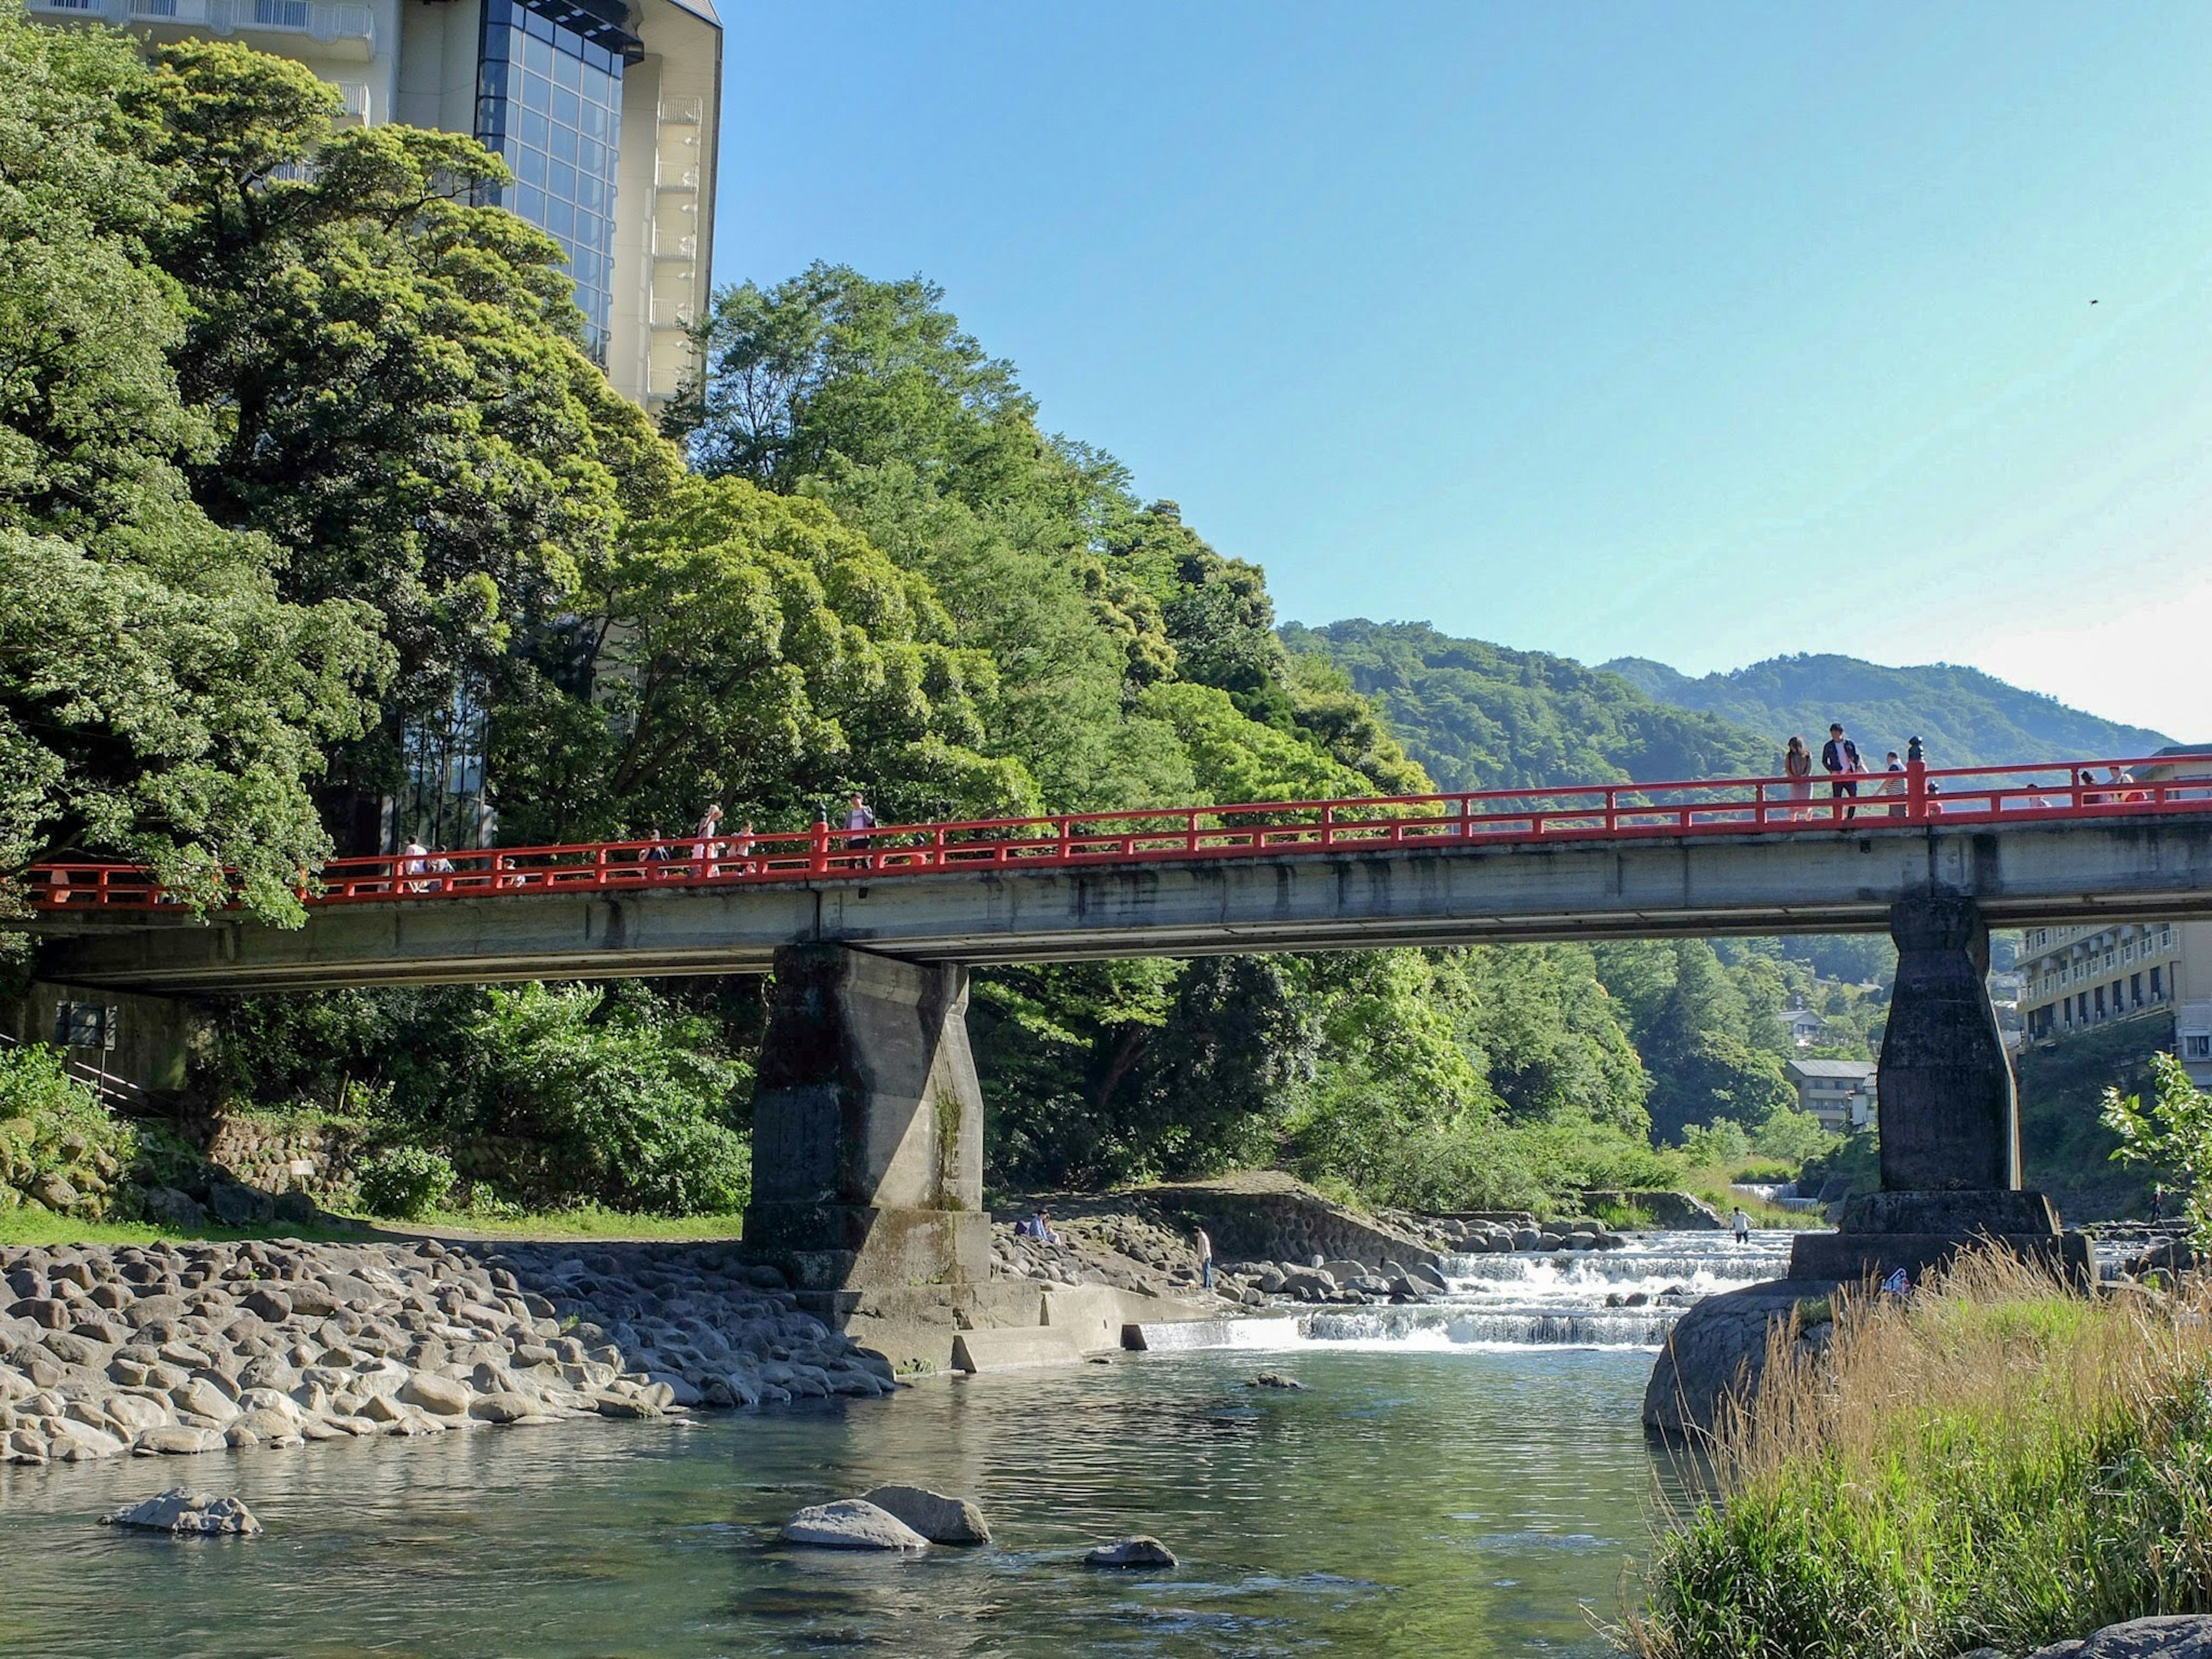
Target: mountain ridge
(1964, 716)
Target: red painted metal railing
(1485, 817)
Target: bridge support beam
(1948, 1115)
(867, 1126)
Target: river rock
(1275, 1380)
(1718, 1348)
(186, 1514)
(851, 1523)
(167, 1208)
(1137, 1551)
(442, 1397)
(175, 1440)
(2179, 1636)
(940, 1519)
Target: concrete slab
(1012, 1350)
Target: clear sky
(1701, 332)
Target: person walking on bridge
(1797, 766)
(704, 848)
(860, 817)
(1839, 759)
(1893, 783)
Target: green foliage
(618, 1095)
(407, 1184)
(160, 700)
(750, 649)
(2172, 1132)
(1792, 1137)
(1965, 717)
(51, 1124)
(1994, 1466)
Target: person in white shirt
(413, 861)
(859, 816)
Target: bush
(406, 1183)
(52, 1125)
(1994, 1462)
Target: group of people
(714, 854)
(1840, 760)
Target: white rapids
(1544, 1298)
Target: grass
(1994, 1462)
(584, 1221)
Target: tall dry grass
(1996, 1460)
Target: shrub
(52, 1125)
(1994, 1462)
(2175, 1133)
(406, 1183)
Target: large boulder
(851, 1523)
(940, 1519)
(1717, 1349)
(2178, 1636)
(186, 1514)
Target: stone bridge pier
(867, 1127)
(1948, 1116)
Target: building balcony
(339, 28)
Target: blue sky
(1703, 332)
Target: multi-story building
(1840, 1093)
(2080, 978)
(605, 110)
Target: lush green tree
(2172, 1132)
(395, 377)
(751, 649)
(159, 700)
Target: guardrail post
(1915, 792)
(819, 861)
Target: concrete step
(1008, 1349)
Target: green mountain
(1965, 717)
(1479, 716)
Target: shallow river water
(1433, 1491)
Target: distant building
(1839, 1093)
(2081, 978)
(605, 110)
(1803, 1025)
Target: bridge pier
(1948, 1115)
(867, 1127)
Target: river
(1469, 1479)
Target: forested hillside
(1481, 716)
(312, 481)
(1965, 717)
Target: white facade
(417, 61)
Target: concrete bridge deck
(1434, 891)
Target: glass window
(2196, 1048)
(549, 101)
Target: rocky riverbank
(162, 1349)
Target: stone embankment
(161, 1349)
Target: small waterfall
(1549, 1298)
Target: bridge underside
(1470, 893)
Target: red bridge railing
(1487, 817)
